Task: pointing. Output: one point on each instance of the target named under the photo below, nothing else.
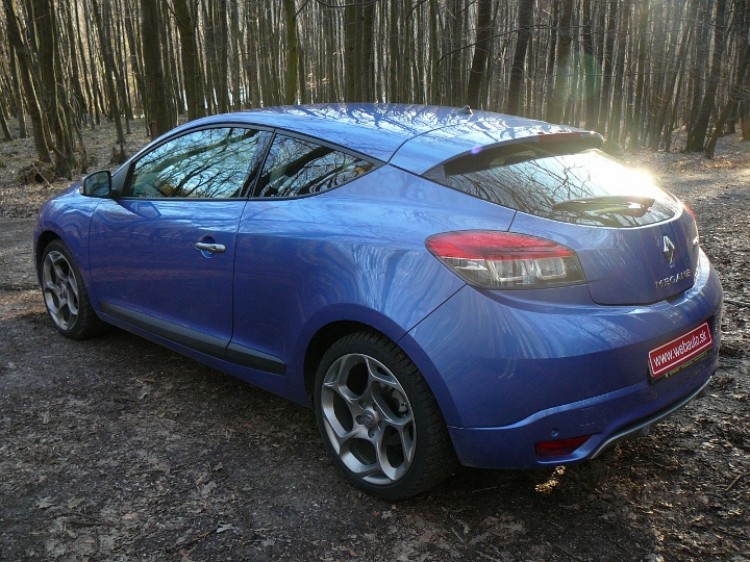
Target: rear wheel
(378, 418)
(65, 295)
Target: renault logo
(669, 250)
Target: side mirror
(98, 184)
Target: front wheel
(378, 418)
(65, 295)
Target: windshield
(587, 187)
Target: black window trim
(249, 189)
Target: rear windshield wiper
(620, 204)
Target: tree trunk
(4, 125)
(618, 85)
(481, 49)
(95, 104)
(222, 50)
(359, 24)
(394, 62)
(159, 112)
(186, 17)
(136, 56)
(556, 107)
(454, 31)
(292, 43)
(25, 62)
(745, 120)
(367, 53)
(735, 96)
(551, 62)
(75, 79)
(21, 114)
(638, 113)
(515, 89)
(120, 68)
(609, 58)
(590, 69)
(234, 37)
(699, 127)
(103, 24)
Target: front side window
(204, 164)
(299, 167)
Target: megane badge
(669, 250)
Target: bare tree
(698, 128)
(636, 70)
(186, 16)
(25, 64)
(160, 112)
(482, 46)
(556, 107)
(515, 88)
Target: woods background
(641, 72)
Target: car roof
(413, 137)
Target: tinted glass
(205, 164)
(583, 188)
(299, 167)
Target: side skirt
(204, 343)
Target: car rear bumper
(608, 419)
(511, 371)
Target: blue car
(442, 285)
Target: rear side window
(297, 167)
(587, 187)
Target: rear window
(588, 187)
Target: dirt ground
(116, 449)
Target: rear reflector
(559, 448)
(501, 260)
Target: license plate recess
(676, 354)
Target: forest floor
(117, 449)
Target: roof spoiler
(511, 151)
(589, 139)
(565, 142)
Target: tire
(65, 294)
(379, 420)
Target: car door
(162, 254)
(282, 235)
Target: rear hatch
(635, 242)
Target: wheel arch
(323, 339)
(410, 460)
(334, 331)
(42, 241)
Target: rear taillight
(503, 260)
(560, 447)
(697, 239)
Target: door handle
(210, 247)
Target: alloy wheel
(60, 290)
(368, 419)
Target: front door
(162, 255)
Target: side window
(300, 167)
(204, 164)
